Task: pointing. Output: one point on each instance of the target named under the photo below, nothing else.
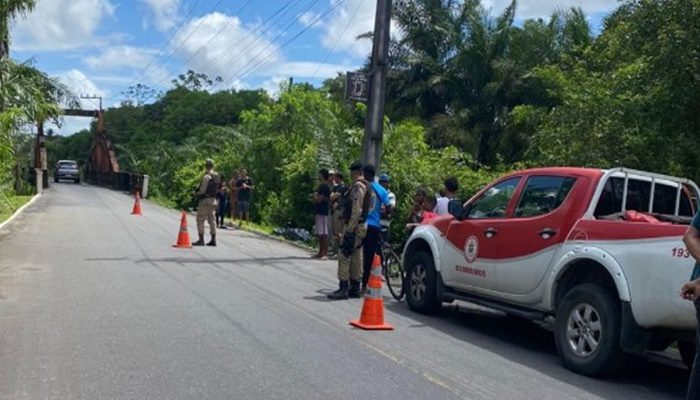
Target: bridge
(101, 166)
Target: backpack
(212, 185)
(346, 202)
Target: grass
(249, 226)
(10, 204)
(163, 202)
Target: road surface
(96, 304)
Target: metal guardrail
(123, 181)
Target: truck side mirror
(454, 207)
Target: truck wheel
(421, 291)
(587, 331)
(687, 350)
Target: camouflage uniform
(207, 204)
(350, 268)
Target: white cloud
(120, 56)
(337, 36)
(304, 69)
(273, 85)
(308, 18)
(164, 13)
(79, 84)
(544, 8)
(236, 49)
(56, 25)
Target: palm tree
(9, 10)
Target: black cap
(356, 166)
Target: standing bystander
(337, 193)
(233, 201)
(244, 187)
(222, 196)
(427, 214)
(380, 198)
(321, 201)
(416, 214)
(385, 221)
(691, 291)
(448, 193)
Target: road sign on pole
(357, 86)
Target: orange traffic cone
(372, 316)
(137, 205)
(183, 238)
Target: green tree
(9, 10)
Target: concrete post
(39, 180)
(144, 190)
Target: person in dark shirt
(244, 187)
(691, 291)
(337, 225)
(222, 195)
(321, 201)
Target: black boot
(212, 242)
(200, 242)
(354, 291)
(341, 293)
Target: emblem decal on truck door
(471, 249)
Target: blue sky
(101, 47)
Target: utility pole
(374, 123)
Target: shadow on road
(533, 346)
(189, 260)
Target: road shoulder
(19, 210)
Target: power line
(211, 39)
(201, 21)
(309, 26)
(167, 42)
(250, 46)
(274, 18)
(339, 38)
(253, 60)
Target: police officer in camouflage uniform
(355, 206)
(206, 194)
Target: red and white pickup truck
(601, 251)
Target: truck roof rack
(627, 172)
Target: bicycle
(392, 269)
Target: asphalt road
(96, 304)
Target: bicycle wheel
(393, 272)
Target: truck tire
(587, 331)
(421, 288)
(687, 350)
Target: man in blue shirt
(380, 198)
(691, 291)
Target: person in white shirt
(451, 189)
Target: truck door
(468, 260)
(529, 238)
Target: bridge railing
(123, 181)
